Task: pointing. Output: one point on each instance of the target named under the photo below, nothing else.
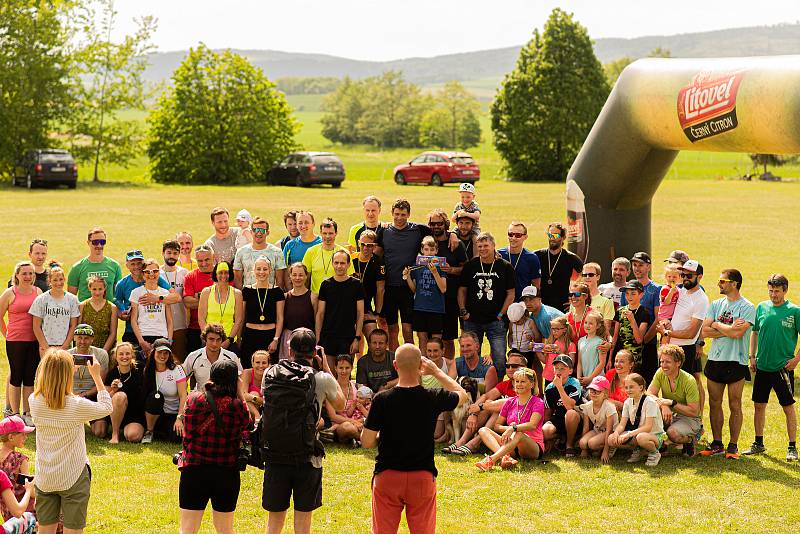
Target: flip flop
(449, 449)
(462, 450)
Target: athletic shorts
(303, 483)
(427, 322)
(450, 320)
(73, 503)
(685, 426)
(782, 382)
(202, 483)
(397, 299)
(726, 372)
(691, 364)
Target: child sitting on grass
(13, 434)
(599, 419)
(641, 426)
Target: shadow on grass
(99, 447)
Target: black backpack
(289, 421)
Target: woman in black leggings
(263, 314)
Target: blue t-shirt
(542, 320)
(295, 249)
(427, 297)
(650, 299)
(123, 291)
(728, 349)
(526, 265)
(479, 373)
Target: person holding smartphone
(82, 383)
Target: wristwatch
(480, 407)
(161, 298)
(514, 426)
(674, 403)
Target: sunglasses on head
(588, 275)
(518, 235)
(259, 230)
(553, 236)
(95, 242)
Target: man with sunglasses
(439, 224)
(526, 263)
(369, 269)
(559, 267)
(95, 264)
(687, 322)
(134, 260)
(245, 260)
(773, 359)
(728, 322)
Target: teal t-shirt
(728, 349)
(777, 328)
(588, 354)
(107, 269)
(685, 392)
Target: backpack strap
(213, 404)
(639, 411)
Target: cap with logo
(134, 255)
(466, 188)
(692, 266)
(530, 291)
(564, 359)
(162, 344)
(633, 284)
(599, 383)
(643, 257)
(677, 256)
(84, 329)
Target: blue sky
(391, 29)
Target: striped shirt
(60, 441)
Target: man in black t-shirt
(439, 224)
(486, 291)
(405, 416)
(400, 243)
(376, 368)
(559, 267)
(368, 267)
(340, 312)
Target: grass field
(720, 223)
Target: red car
(438, 168)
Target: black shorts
(335, 345)
(781, 381)
(201, 483)
(726, 372)
(281, 482)
(397, 299)
(450, 319)
(691, 364)
(560, 423)
(23, 359)
(427, 322)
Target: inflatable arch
(657, 108)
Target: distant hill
(493, 64)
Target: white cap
(692, 266)
(530, 291)
(466, 188)
(244, 215)
(515, 312)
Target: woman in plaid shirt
(210, 447)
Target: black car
(46, 166)
(307, 168)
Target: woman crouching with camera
(213, 424)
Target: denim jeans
(497, 334)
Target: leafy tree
(34, 74)
(545, 108)
(660, 52)
(613, 69)
(108, 79)
(774, 160)
(452, 122)
(314, 85)
(222, 121)
(343, 109)
(392, 115)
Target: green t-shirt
(320, 264)
(777, 328)
(108, 269)
(685, 392)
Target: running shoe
(713, 450)
(27, 419)
(507, 462)
(635, 456)
(652, 459)
(611, 452)
(486, 464)
(147, 438)
(8, 412)
(732, 453)
(791, 454)
(755, 448)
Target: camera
(243, 458)
(82, 359)
(22, 478)
(177, 457)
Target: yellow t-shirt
(320, 264)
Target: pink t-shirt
(5, 482)
(548, 372)
(516, 413)
(20, 322)
(667, 309)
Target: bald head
(407, 359)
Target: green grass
(721, 223)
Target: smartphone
(22, 478)
(538, 347)
(82, 359)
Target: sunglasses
(259, 230)
(513, 365)
(436, 223)
(95, 242)
(553, 236)
(367, 245)
(518, 235)
(150, 271)
(688, 275)
(588, 275)
(576, 294)
(725, 281)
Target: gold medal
(151, 316)
(260, 317)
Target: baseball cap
(224, 372)
(365, 392)
(84, 329)
(466, 188)
(677, 256)
(643, 257)
(530, 291)
(244, 215)
(633, 284)
(692, 266)
(14, 424)
(565, 359)
(162, 344)
(303, 342)
(599, 383)
(515, 312)
(134, 255)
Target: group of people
(572, 366)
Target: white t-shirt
(55, 315)
(610, 291)
(175, 280)
(152, 317)
(650, 409)
(598, 420)
(198, 367)
(167, 383)
(690, 306)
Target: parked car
(46, 166)
(307, 168)
(438, 168)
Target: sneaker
(635, 456)
(653, 458)
(732, 453)
(713, 450)
(507, 462)
(8, 412)
(688, 449)
(791, 454)
(486, 464)
(147, 438)
(611, 452)
(27, 419)
(755, 448)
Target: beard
(555, 246)
(690, 284)
(171, 261)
